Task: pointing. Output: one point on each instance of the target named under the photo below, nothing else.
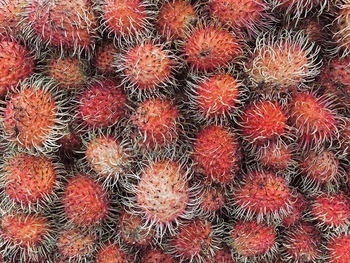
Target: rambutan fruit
(208, 47)
(30, 181)
(280, 62)
(112, 253)
(70, 142)
(278, 156)
(195, 241)
(104, 57)
(156, 255)
(156, 123)
(301, 243)
(11, 15)
(320, 170)
(313, 118)
(215, 97)
(68, 71)
(148, 66)
(248, 16)
(335, 81)
(174, 17)
(101, 104)
(107, 155)
(84, 201)
(262, 195)
(17, 63)
(132, 231)
(216, 154)
(26, 236)
(331, 210)
(161, 194)
(68, 25)
(262, 122)
(337, 248)
(213, 201)
(341, 29)
(250, 241)
(75, 245)
(344, 138)
(299, 207)
(223, 255)
(126, 19)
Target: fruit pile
(160, 131)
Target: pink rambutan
(337, 248)
(156, 255)
(104, 57)
(112, 253)
(11, 15)
(298, 208)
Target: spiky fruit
(67, 71)
(195, 241)
(26, 236)
(298, 208)
(108, 156)
(249, 16)
(320, 170)
(344, 137)
(155, 124)
(335, 80)
(68, 25)
(132, 231)
(75, 244)
(341, 29)
(104, 57)
(208, 47)
(214, 97)
(301, 243)
(213, 200)
(263, 195)
(17, 63)
(29, 181)
(11, 14)
(162, 194)
(147, 66)
(280, 62)
(32, 118)
(216, 154)
(112, 253)
(313, 119)
(277, 156)
(85, 203)
(224, 255)
(174, 18)
(127, 19)
(156, 255)
(331, 210)
(102, 104)
(262, 122)
(338, 249)
(250, 240)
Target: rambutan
(301, 243)
(156, 255)
(84, 201)
(313, 118)
(11, 15)
(26, 236)
(102, 104)
(337, 248)
(248, 16)
(250, 240)
(175, 17)
(104, 57)
(331, 210)
(148, 66)
(156, 123)
(68, 25)
(112, 253)
(30, 181)
(195, 241)
(214, 97)
(262, 122)
(298, 209)
(262, 195)
(17, 63)
(216, 154)
(213, 201)
(341, 29)
(33, 118)
(208, 47)
(280, 62)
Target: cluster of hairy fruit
(175, 131)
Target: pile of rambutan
(164, 131)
